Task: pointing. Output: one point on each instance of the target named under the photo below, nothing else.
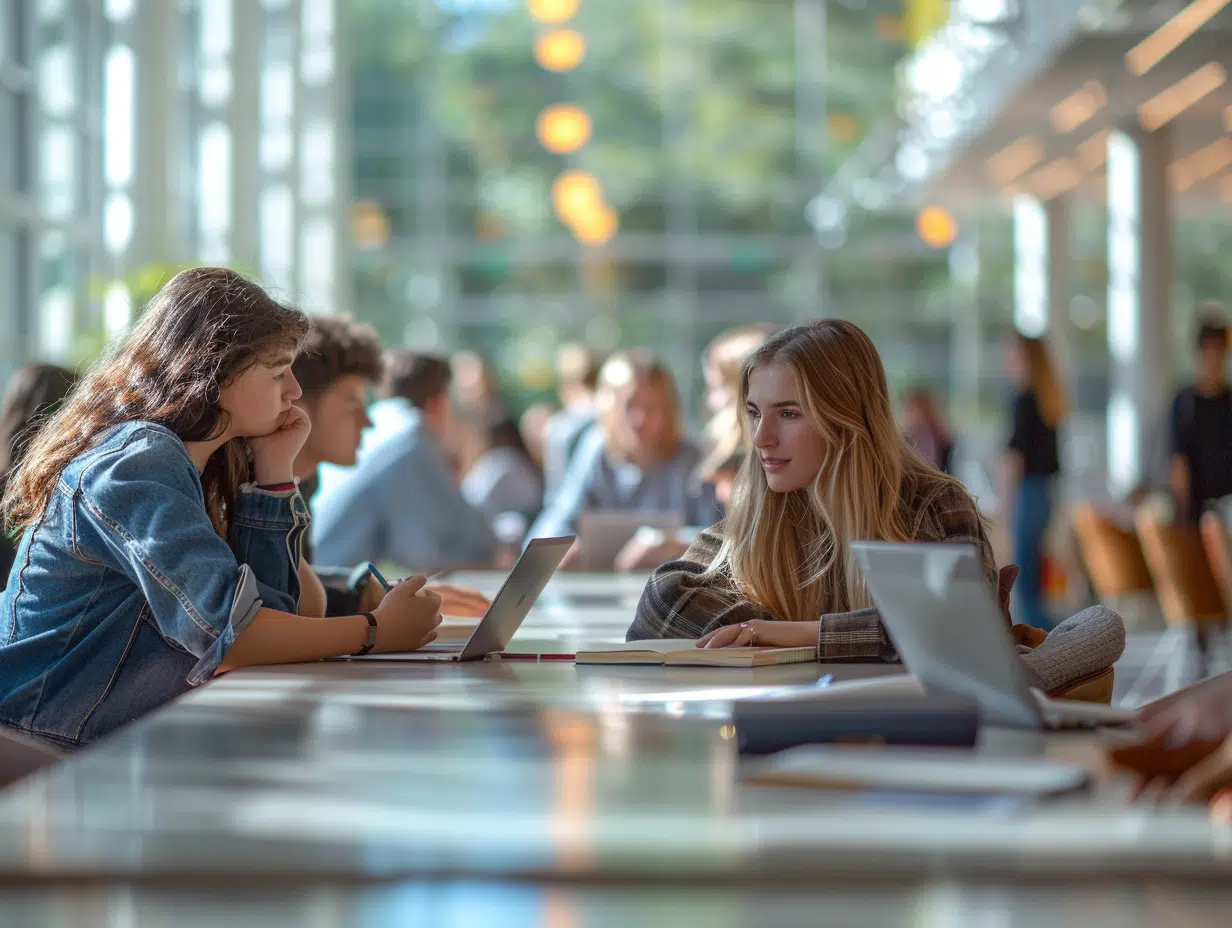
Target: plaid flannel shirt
(681, 602)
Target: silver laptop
(509, 607)
(602, 533)
(946, 625)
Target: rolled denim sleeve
(267, 531)
(144, 503)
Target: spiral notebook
(683, 652)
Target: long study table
(523, 792)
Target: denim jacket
(122, 596)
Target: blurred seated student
(830, 467)
(339, 364)
(503, 478)
(577, 376)
(475, 388)
(161, 524)
(637, 459)
(724, 441)
(33, 393)
(533, 427)
(400, 503)
(925, 429)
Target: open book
(683, 652)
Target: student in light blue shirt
(503, 478)
(577, 375)
(400, 503)
(637, 458)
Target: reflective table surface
(560, 795)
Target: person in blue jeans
(161, 525)
(1032, 464)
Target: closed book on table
(684, 652)
(764, 726)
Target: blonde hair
(1043, 380)
(636, 367)
(791, 552)
(724, 431)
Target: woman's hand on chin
(762, 634)
(273, 455)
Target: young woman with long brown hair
(1032, 463)
(829, 467)
(637, 458)
(161, 524)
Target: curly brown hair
(337, 347)
(203, 329)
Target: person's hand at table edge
(760, 633)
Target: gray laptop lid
(945, 623)
(516, 596)
(604, 532)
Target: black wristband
(371, 643)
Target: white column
(318, 129)
(154, 38)
(1140, 272)
(279, 153)
(966, 331)
(245, 122)
(1041, 257)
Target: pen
(379, 579)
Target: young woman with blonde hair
(637, 458)
(829, 467)
(1032, 463)
(161, 525)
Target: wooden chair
(1117, 568)
(1189, 596)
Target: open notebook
(683, 652)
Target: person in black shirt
(1032, 464)
(1201, 433)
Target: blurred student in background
(340, 363)
(400, 503)
(33, 394)
(925, 429)
(724, 436)
(637, 459)
(829, 467)
(1201, 427)
(1031, 466)
(577, 375)
(475, 388)
(533, 427)
(503, 479)
(724, 442)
